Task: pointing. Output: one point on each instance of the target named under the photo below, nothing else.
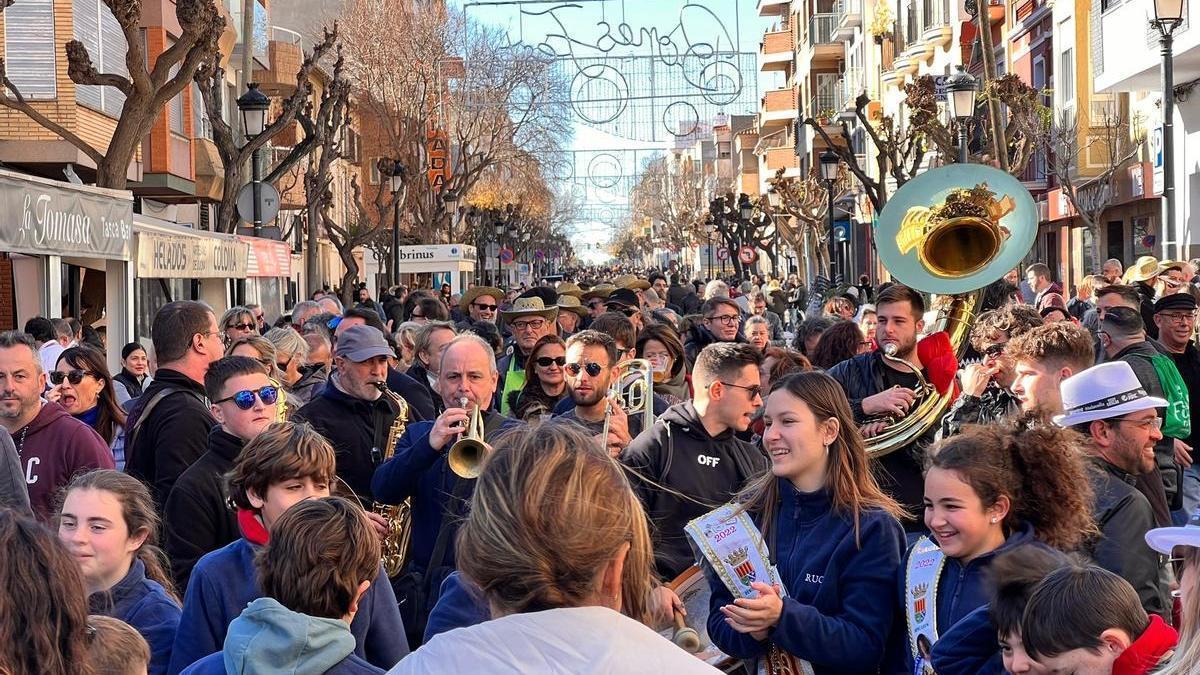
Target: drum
(692, 589)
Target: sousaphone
(951, 231)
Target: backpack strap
(131, 431)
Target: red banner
(268, 258)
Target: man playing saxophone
(420, 470)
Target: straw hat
(599, 291)
(476, 292)
(571, 303)
(1147, 267)
(570, 288)
(529, 306)
(631, 282)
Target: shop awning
(45, 217)
(166, 251)
(268, 257)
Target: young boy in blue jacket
(319, 563)
(286, 464)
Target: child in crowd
(1183, 545)
(197, 515)
(115, 648)
(1085, 619)
(284, 465)
(988, 490)
(108, 523)
(321, 559)
(43, 614)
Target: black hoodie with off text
(677, 453)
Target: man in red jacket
(52, 445)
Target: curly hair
(1058, 344)
(1012, 320)
(1041, 469)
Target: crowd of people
(856, 493)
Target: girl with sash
(832, 535)
(989, 490)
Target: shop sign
(166, 256)
(39, 218)
(267, 258)
(437, 253)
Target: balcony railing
(912, 30)
(851, 87)
(826, 101)
(821, 27)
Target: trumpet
(637, 398)
(470, 451)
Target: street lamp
(498, 230)
(961, 92)
(1168, 14)
(829, 172)
(396, 181)
(745, 208)
(254, 106)
(710, 228)
(450, 197)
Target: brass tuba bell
(469, 452)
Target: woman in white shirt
(558, 543)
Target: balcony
(849, 18)
(285, 54)
(852, 86)
(773, 7)
(782, 158)
(825, 48)
(935, 23)
(777, 51)
(779, 108)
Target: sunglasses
(73, 376)
(994, 350)
(245, 399)
(545, 361)
(593, 369)
(754, 390)
(484, 308)
(242, 326)
(627, 311)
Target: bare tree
(210, 80)
(805, 203)
(1108, 138)
(669, 194)
(148, 87)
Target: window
(29, 48)
(96, 28)
(1066, 76)
(175, 106)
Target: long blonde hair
(851, 484)
(1186, 659)
(549, 512)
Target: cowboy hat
(631, 282)
(1147, 267)
(570, 288)
(1103, 392)
(570, 303)
(529, 306)
(475, 292)
(599, 291)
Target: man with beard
(986, 396)
(691, 458)
(481, 302)
(528, 320)
(1175, 315)
(590, 370)
(878, 388)
(722, 323)
(1120, 422)
(420, 401)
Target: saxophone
(398, 517)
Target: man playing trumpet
(419, 470)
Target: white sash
(920, 598)
(732, 544)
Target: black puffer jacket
(995, 404)
(698, 337)
(677, 453)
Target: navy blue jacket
(225, 581)
(418, 471)
(145, 605)
(837, 614)
(961, 590)
(969, 647)
(460, 604)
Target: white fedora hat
(1164, 539)
(1102, 392)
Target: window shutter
(29, 47)
(176, 105)
(111, 60)
(87, 31)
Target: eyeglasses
(1178, 317)
(545, 361)
(727, 319)
(593, 369)
(754, 390)
(1146, 424)
(72, 376)
(283, 366)
(484, 308)
(534, 324)
(245, 399)
(242, 326)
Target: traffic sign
(839, 232)
(722, 253)
(747, 255)
(268, 201)
(506, 255)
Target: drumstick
(686, 637)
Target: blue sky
(657, 34)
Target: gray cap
(359, 343)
